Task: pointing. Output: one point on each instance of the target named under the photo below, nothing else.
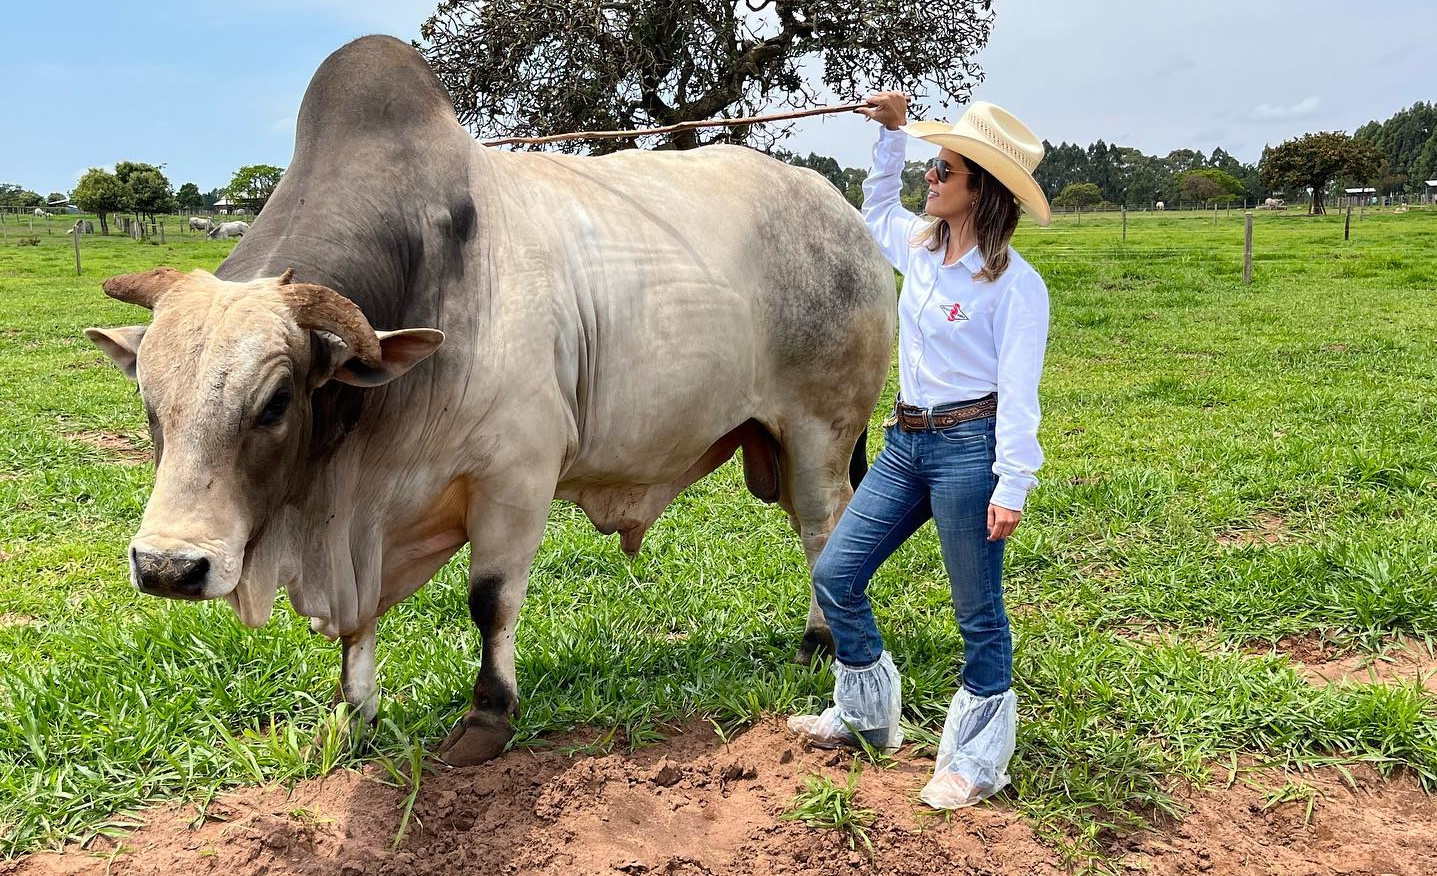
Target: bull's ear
(399, 351)
(120, 344)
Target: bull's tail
(858, 463)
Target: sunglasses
(944, 170)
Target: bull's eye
(275, 408)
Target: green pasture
(1183, 410)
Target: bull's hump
(373, 84)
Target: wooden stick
(681, 126)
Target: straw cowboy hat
(996, 141)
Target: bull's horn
(286, 277)
(143, 289)
(322, 308)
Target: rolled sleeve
(1021, 334)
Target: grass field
(1185, 415)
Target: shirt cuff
(1009, 495)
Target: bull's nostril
(160, 574)
(190, 575)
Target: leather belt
(915, 419)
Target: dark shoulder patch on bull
(819, 271)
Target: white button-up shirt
(958, 338)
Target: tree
(253, 184)
(821, 163)
(1403, 139)
(151, 193)
(1210, 184)
(189, 197)
(101, 192)
(1079, 195)
(150, 190)
(536, 67)
(1314, 160)
(12, 195)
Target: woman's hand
(888, 108)
(1002, 522)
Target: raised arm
(891, 226)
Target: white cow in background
(199, 223)
(226, 230)
(1159, 206)
(39, 212)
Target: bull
(338, 414)
(226, 230)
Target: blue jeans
(946, 475)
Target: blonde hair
(994, 217)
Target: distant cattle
(199, 223)
(84, 226)
(1159, 206)
(227, 230)
(1273, 204)
(39, 212)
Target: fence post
(162, 233)
(1247, 249)
(1125, 223)
(76, 234)
(1347, 225)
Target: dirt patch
(1313, 823)
(1265, 528)
(14, 619)
(693, 805)
(125, 447)
(1322, 661)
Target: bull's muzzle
(176, 574)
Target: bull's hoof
(478, 737)
(814, 643)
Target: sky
(203, 87)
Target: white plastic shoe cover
(866, 700)
(978, 741)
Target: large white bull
(660, 311)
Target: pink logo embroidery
(954, 312)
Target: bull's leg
(503, 546)
(814, 466)
(357, 684)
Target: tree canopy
(101, 192)
(1079, 195)
(537, 67)
(13, 195)
(1408, 141)
(1314, 160)
(189, 197)
(1127, 176)
(1209, 184)
(253, 184)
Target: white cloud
(1266, 112)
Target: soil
(694, 805)
(1263, 529)
(1400, 660)
(125, 448)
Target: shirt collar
(972, 260)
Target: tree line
(142, 189)
(1394, 157)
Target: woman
(962, 445)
